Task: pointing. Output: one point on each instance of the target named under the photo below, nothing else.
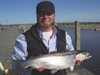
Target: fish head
(81, 56)
(86, 54)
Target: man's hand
(41, 68)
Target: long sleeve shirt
(20, 48)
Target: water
(90, 41)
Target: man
(42, 38)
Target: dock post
(77, 35)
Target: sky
(24, 11)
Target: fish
(56, 61)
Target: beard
(45, 27)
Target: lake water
(90, 41)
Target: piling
(77, 35)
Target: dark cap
(46, 6)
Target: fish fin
(29, 67)
(41, 68)
(54, 71)
(26, 67)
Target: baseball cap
(46, 6)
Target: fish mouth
(88, 57)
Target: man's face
(45, 19)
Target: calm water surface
(90, 41)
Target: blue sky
(24, 11)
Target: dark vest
(36, 47)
